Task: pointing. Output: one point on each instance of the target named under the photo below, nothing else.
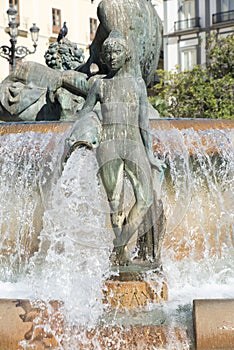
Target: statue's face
(114, 55)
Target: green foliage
(200, 93)
(221, 56)
(161, 105)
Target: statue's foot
(120, 256)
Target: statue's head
(115, 51)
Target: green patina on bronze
(141, 27)
(125, 149)
(35, 92)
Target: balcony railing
(187, 24)
(223, 17)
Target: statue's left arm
(91, 100)
(144, 125)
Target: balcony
(187, 24)
(223, 17)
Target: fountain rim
(156, 123)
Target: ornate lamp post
(13, 53)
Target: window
(56, 20)
(15, 4)
(188, 10)
(188, 58)
(187, 16)
(227, 5)
(93, 27)
(225, 11)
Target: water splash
(28, 165)
(198, 195)
(73, 258)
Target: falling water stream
(67, 209)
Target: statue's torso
(120, 98)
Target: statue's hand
(156, 163)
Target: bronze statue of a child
(125, 144)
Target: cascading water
(28, 164)
(198, 197)
(71, 259)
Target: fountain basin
(157, 124)
(214, 324)
(22, 323)
(163, 124)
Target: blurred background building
(186, 25)
(49, 15)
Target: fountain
(59, 288)
(197, 249)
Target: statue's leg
(111, 173)
(141, 180)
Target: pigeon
(62, 33)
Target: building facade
(186, 26)
(158, 4)
(49, 15)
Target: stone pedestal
(134, 294)
(135, 286)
